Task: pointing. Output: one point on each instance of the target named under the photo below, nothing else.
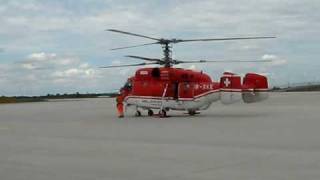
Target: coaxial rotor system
(166, 44)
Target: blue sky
(56, 46)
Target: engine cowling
(254, 88)
(230, 88)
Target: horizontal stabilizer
(255, 88)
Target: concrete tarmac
(275, 139)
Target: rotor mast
(167, 53)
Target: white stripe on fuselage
(197, 102)
(154, 102)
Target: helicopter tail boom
(254, 88)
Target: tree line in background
(18, 99)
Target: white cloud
(75, 73)
(42, 56)
(72, 72)
(192, 67)
(50, 72)
(269, 57)
(84, 65)
(28, 66)
(275, 60)
(44, 60)
(279, 62)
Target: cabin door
(186, 90)
(175, 90)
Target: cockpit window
(128, 85)
(155, 72)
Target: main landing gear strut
(162, 113)
(138, 113)
(150, 112)
(193, 112)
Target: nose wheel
(150, 112)
(138, 113)
(192, 112)
(162, 113)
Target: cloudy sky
(51, 46)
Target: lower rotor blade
(139, 45)
(128, 65)
(218, 61)
(144, 58)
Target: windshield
(128, 85)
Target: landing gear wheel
(162, 113)
(192, 112)
(150, 112)
(138, 114)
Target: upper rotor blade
(126, 47)
(132, 34)
(220, 61)
(221, 39)
(128, 65)
(144, 58)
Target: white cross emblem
(227, 82)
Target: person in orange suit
(119, 100)
(124, 91)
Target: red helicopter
(167, 88)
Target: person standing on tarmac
(120, 98)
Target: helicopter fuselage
(188, 90)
